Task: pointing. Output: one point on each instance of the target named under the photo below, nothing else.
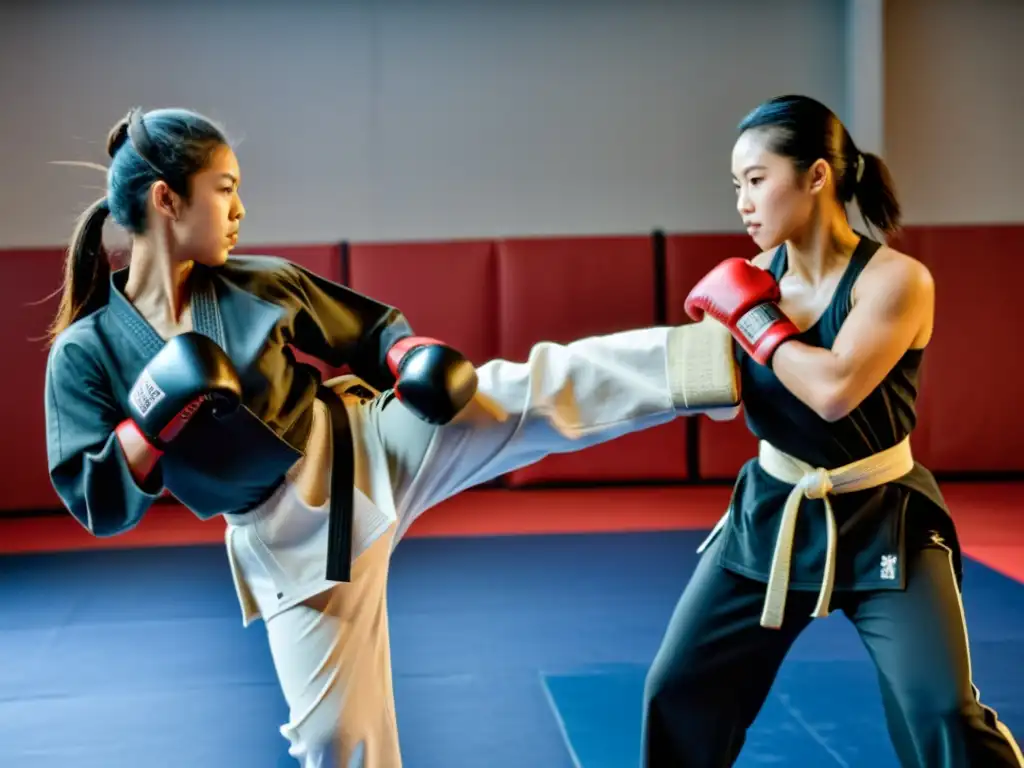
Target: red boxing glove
(742, 297)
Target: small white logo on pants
(888, 567)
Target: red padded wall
(446, 290)
(563, 289)
(29, 276)
(323, 259)
(971, 419)
(908, 241)
(723, 446)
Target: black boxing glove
(434, 380)
(190, 371)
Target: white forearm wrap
(702, 370)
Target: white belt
(816, 483)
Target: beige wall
(374, 120)
(955, 109)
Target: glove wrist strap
(756, 321)
(402, 347)
(131, 438)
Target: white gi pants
(334, 663)
(329, 641)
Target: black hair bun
(118, 136)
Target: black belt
(340, 522)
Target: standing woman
(176, 373)
(834, 513)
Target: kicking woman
(176, 373)
(834, 513)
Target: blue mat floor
(508, 652)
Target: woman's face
(773, 199)
(207, 228)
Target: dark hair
(805, 130)
(168, 144)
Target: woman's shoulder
(255, 266)
(889, 266)
(78, 349)
(262, 276)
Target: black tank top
(872, 523)
(885, 417)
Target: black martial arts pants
(717, 664)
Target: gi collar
(237, 320)
(206, 317)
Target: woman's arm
(342, 327)
(90, 470)
(894, 301)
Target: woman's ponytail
(876, 193)
(86, 270)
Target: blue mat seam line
(811, 731)
(558, 719)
